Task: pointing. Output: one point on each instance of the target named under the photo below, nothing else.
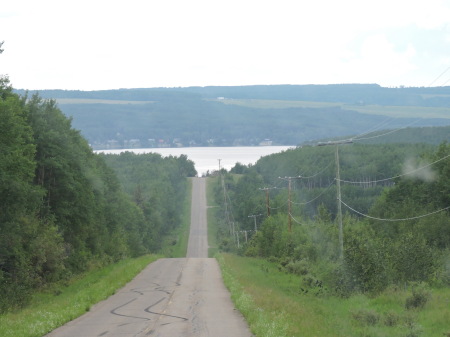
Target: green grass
(391, 111)
(175, 244)
(62, 303)
(211, 216)
(271, 300)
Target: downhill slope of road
(171, 297)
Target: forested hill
(395, 201)
(247, 115)
(62, 209)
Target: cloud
(109, 44)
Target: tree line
(63, 210)
(395, 231)
(344, 93)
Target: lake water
(207, 158)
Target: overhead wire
(295, 220)
(393, 220)
(376, 127)
(316, 174)
(389, 132)
(317, 197)
(434, 81)
(398, 176)
(446, 82)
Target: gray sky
(108, 44)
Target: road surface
(171, 297)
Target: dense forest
(211, 116)
(63, 210)
(395, 206)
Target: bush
(300, 267)
(420, 297)
(391, 319)
(366, 317)
(341, 281)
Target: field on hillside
(97, 101)
(391, 111)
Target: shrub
(366, 317)
(391, 319)
(300, 267)
(420, 296)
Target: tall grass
(262, 322)
(211, 216)
(275, 304)
(62, 303)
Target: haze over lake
(207, 158)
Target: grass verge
(211, 216)
(274, 304)
(62, 303)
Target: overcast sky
(97, 44)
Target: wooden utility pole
(338, 191)
(289, 200)
(267, 198)
(338, 185)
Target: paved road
(198, 236)
(171, 297)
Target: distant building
(112, 144)
(133, 143)
(266, 142)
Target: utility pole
(267, 198)
(338, 185)
(254, 217)
(338, 193)
(289, 199)
(266, 189)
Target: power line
(392, 220)
(438, 77)
(295, 220)
(376, 127)
(446, 82)
(310, 201)
(316, 174)
(398, 176)
(389, 132)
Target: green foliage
(377, 253)
(158, 187)
(49, 307)
(366, 261)
(62, 209)
(366, 317)
(419, 298)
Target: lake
(207, 158)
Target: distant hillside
(429, 135)
(434, 135)
(248, 115)
(344, 93)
